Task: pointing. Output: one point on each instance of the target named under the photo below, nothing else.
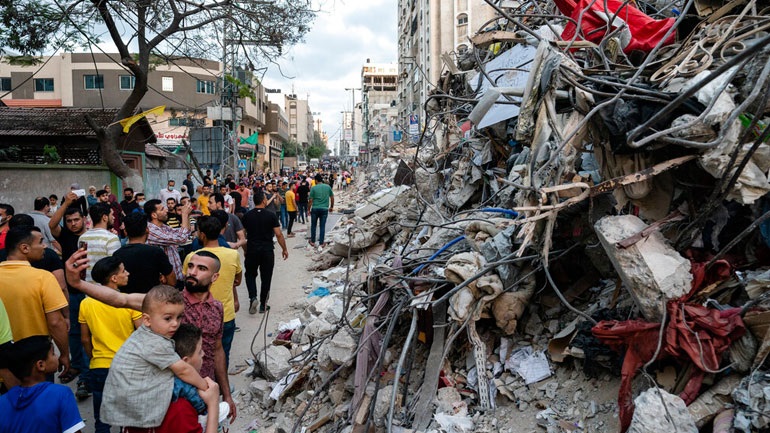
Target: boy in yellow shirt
(104, 329)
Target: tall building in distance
(301, 123)
(379, 89)
(426, 30)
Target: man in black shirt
(303, 191)
(147, 265)
(68, 235)
(261, 225)
(189, 184)
(128, 205)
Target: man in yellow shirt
(203, 200)
(32, 297)
(291, 209)
(103, 329)
(230, 275)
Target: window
(5, 84)
(44, 84)
(206, 87)
(462, 19)
(167, 84)
(127, 82)
(184, 121)
(93, 82)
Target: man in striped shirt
(100, 241)
(164, 236)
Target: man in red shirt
(6, 213)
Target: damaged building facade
(578, 240)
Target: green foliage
(10, 153)
(291, 148)
(317, 140)
(23, 60)
(51, 154)
(316, 151)
(27, 26)
(241, 89)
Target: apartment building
(300, 119)
(187, 87)
(426, 30)
(278, 125)
(379, 84)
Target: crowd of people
(139, 296)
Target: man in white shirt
(170, 192)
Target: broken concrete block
(274, 362)
(259, 388)
(341, 347)
(650, 416)
(318, 328)
(382, 405)
(380, 200)
(651, 269)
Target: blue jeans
(78, 357)
(315, 215)
(301, 212)
(284, 216)
(227, 340)
(96, 379)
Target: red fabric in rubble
(715, 329)
(645, 31)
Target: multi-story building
(187, 87)
(300, 120)
(427, 29)
(278, 125)
(379, 84)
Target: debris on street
(579, 239)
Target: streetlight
(353, 112)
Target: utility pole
(353, 114)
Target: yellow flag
(128, 121)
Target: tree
(315, 151)
(165, 29)
(290, 148)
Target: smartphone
(83, 245)
(79, 192)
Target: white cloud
(342, 37)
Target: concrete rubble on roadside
(584, 244)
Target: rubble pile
(577, 241)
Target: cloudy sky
(344, 34)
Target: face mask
(141, 203)
(171, 188)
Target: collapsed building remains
(585, 211)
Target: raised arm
(53, 224)
(76, 263)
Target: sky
(344, 34)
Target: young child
(37, 405)
(104, 329)
(186, 403)
(141, 378)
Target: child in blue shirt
(37, 406)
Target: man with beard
(163, 236)
(200, 309)
(230, 273)
(100, 241)
(205, 312)
(117, 213)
